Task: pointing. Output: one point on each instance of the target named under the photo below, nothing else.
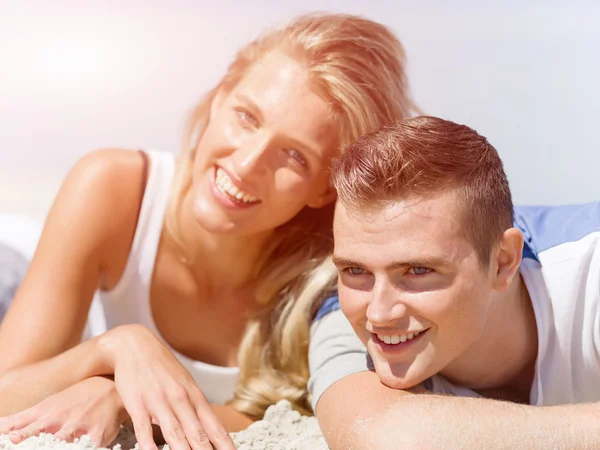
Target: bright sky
(76, 76)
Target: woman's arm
(91, 407)
(25, 386)
(85, 243)
(19, 390)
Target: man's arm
(358, 412)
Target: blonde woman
(200, 264)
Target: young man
(452, 291)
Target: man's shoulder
(561, 270)
(330, 304)
(547, 227)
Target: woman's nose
(251, 157)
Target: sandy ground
(281, 429)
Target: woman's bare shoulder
(110, 165)
(104, 192)
(85, 242)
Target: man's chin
(393, 380)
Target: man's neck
(502, 362)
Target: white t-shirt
(561, 269)
(129, 300)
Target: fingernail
(14, 436)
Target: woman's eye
(298, 157)
(355, 271)
(419, 271)
(246, 117)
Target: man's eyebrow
(342, 262)
(425, 262)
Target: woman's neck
(225, 263)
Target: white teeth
(397, 338)
(226, 186)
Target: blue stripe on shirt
(544, 227)
(330, 304)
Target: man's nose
(386, 307)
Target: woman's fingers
(99, 438)
(172, 430)
(68, 433)
(216, 432)
(196, 435)
(17, 437)
(34, 429)
(142, 427)
(14, 422)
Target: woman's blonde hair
(357, 65)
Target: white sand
(281, 429)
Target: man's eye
(419, 271)
(297, 156)
(355, 271)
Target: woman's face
(266, 151)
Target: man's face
(411, 285)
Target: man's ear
(509, 255)
(324, 199)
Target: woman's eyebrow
(255, 109)
(304, 145)
(252, 106)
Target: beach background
(77, 76)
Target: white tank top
(129, 301)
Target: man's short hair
(428, 155)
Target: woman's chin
(211, 219)
(214, 225)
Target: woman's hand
(156, 389)
(90, 407)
